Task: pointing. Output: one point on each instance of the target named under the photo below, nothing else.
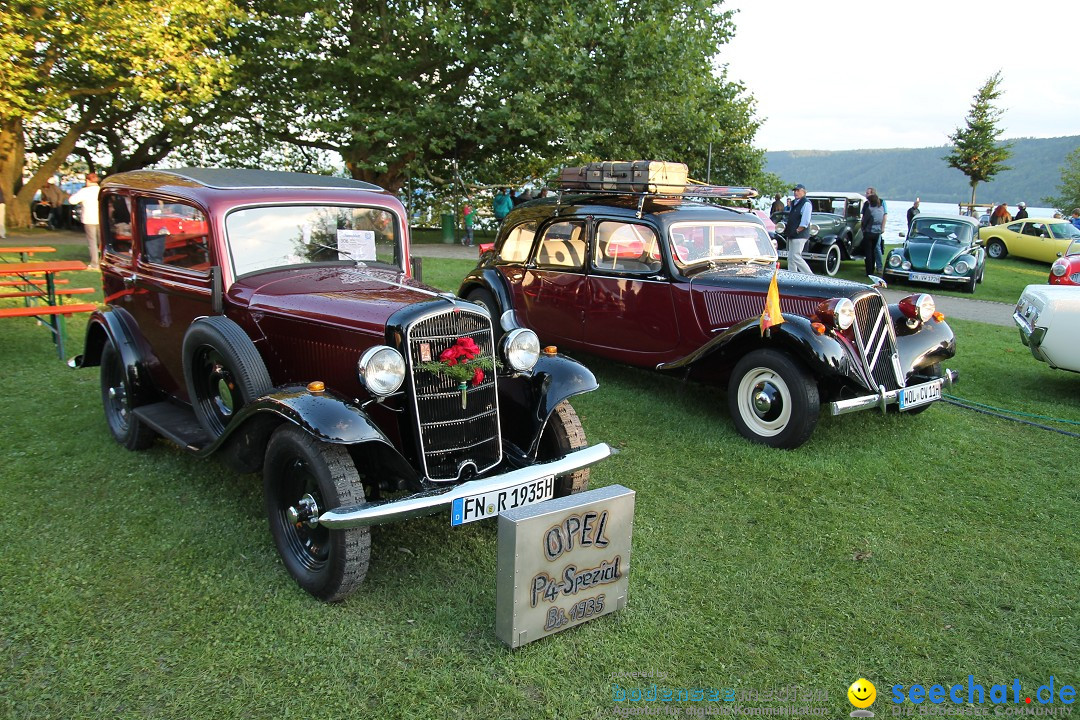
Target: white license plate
(484, 505)
(916, 395)
(781, 253)
(925, 277)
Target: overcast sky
(845, 75)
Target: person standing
(873, 223)
(1075, 219)
(1021, 211)
(502, 204)
(797, 231)
(55, 197)
(3, 217)
(88, 198)
(912, 212)
(1001, 215)
(468, 214)
(777, 205)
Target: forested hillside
(907, 173)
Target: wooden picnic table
(43, 301)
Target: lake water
(897, 220)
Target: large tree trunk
(12, 154)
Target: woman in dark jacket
(873, 218)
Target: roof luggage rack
(642, 179)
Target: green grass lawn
(903, 549)
(1004, 280)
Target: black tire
(996, 249)
(329, 564)
(563, 434)
(116, 399)
(484, 298)
(831, 265)
(773, 400)
(223, 371)
(969, 286)
(982, 273)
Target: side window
(1015, 227)
(626, 247)
(1033, 229)
(516, 246)
(118, 225)
(174, 234)
(562, 247)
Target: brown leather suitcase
(635, 176)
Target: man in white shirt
(88, 198)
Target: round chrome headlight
(895, 260)
(1059, 268)
(381, 369)
(814, 229)
(521, 348)
(844, 313)
(907, 265)
(781, 226)
(949, 270)
(919, 306)
(961, 267)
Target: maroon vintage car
(679, 284)
(271, 319)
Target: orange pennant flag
(771, 315)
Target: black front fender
(116, 326)
(822, 354)
(487, 278)
(922, 344)
(527, 400)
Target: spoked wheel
(303, 477)
(564, 434)
(832, 260)
(223, 370)
(773, 400)
(116, 398)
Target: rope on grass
(988, 410)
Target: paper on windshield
(356, 244)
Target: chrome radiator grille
(453, 438)
(877, 342)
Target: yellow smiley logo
(862, 693)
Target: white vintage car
(1049, 320)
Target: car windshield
(283, 235)
(1064, 231)
(828, 205)
(1074, 247)
(716, 242)
(941, 230)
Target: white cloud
(843, 75)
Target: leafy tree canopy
(69, 63)
(977, 151)
(1068, 192)
(494, 91)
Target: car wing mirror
(903, 234)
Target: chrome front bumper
(882, 399)
(432, 501)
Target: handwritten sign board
(562, 563)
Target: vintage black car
(270, 319)
(676, 284)
(835, 230)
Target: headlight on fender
(814, 230)
(961, 267)
(838, 312)
(781, 227)
(918, 307)
(521, 348)
(1059, 268)
(381, 369)
(895, 260)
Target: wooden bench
(20, 283)
(35, 310)
(62, 292)
(51, 317)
